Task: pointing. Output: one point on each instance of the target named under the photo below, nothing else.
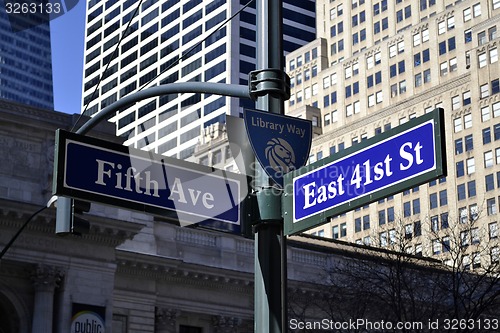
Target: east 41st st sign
(95, 170)
(391, 162)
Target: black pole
(270, 243)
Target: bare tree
(455, 290)
(469, 250)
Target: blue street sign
(96, 170)
(401, 158)
(280, 143)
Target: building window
(474, 236)
(366, 222)
(471, 188)
(406, 209)
(453, 64)
(335, 232)
(476, 9)
(493, 55)
(489, 182)
(460, 170)
(491, 206)
(416, 206)
(461, 192)
(444, 221)
(357, 224)
(463, 215)
(496, 131)
(495, 86)
(441, 27)
(484, 91)
(455, 105)
(493, 230)
(446, 244)
(381, 217)
(343, 230)
(390, 214)
(402, 87)
(443, 198)
(434, 223)
(436, 246)
(408, 231)
(464, 239)
(416, 39)
(481, 38)
(469, 143)
(417, 228)
(427, 76)
(459, 147)
(488, 159)
(383, 239)
(466, 100)
(418, 80)
(443, 68)
(433, 201)
(467, 14)
(471, 165)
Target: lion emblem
(280, 155)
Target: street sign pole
(270, 244)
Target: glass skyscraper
(176, 41)
(25, 62)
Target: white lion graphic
(280, 155)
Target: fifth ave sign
(391, 162)
(95, 170)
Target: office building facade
(384, 65)
(176, 41)
(25, 61)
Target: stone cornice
(104, 231)
(486, 23)
(49, 120)
(13, 112)
(177, 271)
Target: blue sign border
(293, 225)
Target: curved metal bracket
(269, 81)
(223, 89)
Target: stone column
(45, 280)
(224, 324)
(166, 320)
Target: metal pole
(270, 243)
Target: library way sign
(95, 170)
(404, 157)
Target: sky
(67, 38)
